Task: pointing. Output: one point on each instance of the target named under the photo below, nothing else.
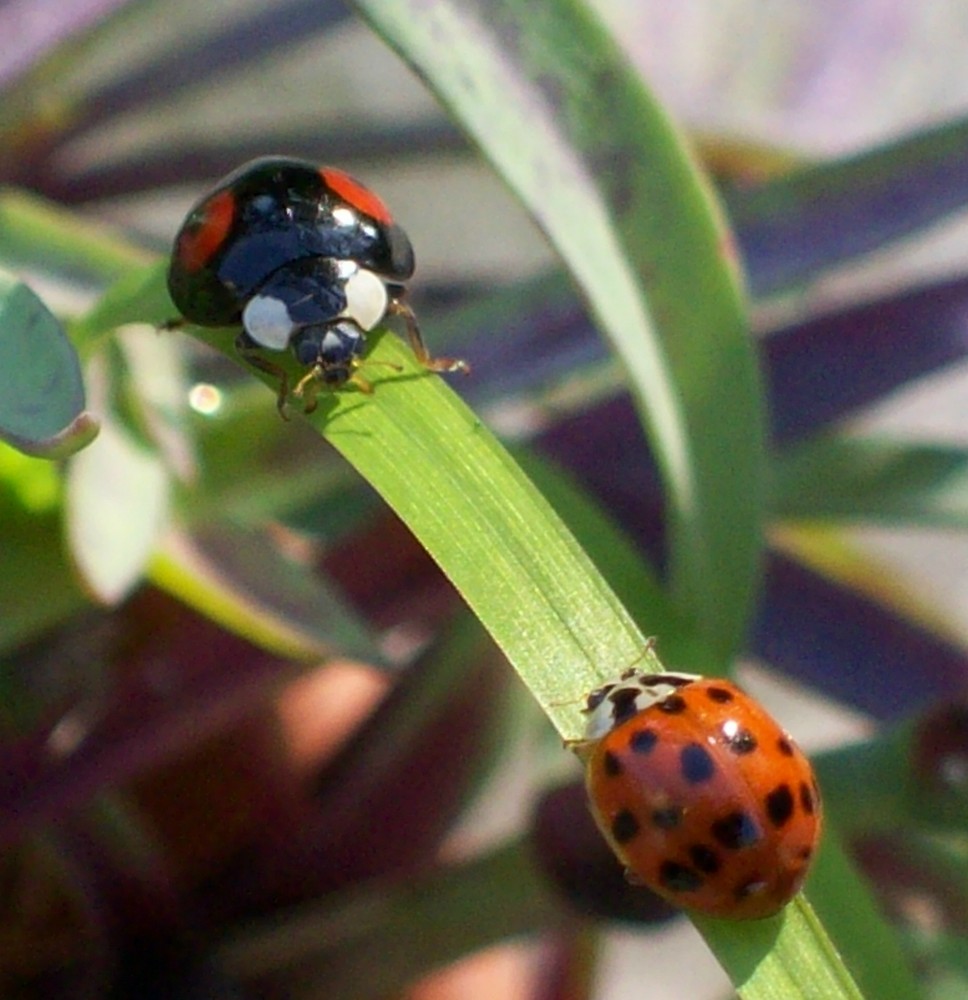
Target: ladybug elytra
(303, 258)
(700, 793)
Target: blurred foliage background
(253, 742)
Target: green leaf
(36, 235)
(239, 578)
(531, 586)
(140, 296)
(811, 220)
(41, 390)
(492, 532)
(551, 101)
(619, 561)
(853, 478)
(870, 946)
(787, 957)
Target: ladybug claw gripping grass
(305, 259)
(699, 792)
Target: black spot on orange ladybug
(304, 258)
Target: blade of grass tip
(551, 101)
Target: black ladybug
(303, 257)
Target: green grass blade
(852, 478)
(493, 533)
(814, 219)
(36, 235)
(522, 573)
(788, 957)
(550, 100)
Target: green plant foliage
(41, 392)
(551, 102)
(252, 522)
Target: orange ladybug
(700, 793)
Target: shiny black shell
(267, 216)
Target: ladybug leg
(362, 384)
(580, 747)
(308, 387)
(252, 356)
(399, 307)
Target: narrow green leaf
(533, 588)
(620, 562)
(488, 527)
(870, 946)
(848, 477)
(37, 235)
(551, 101)
(811, 220)
(788, 957)
(139, 296)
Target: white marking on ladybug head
(366, 298)
(344, 216)
(268, 323)
(616, 702)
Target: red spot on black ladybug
(354, 194)
(206, 232)
(674, 704)
(779, 805)
(720, 695)
(736, 831)
(696, 764)
(643, 741)
(611, 764)
(679, 878)
(625, 827)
